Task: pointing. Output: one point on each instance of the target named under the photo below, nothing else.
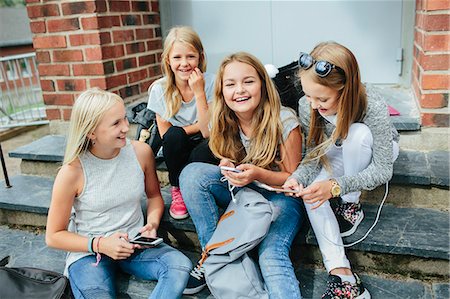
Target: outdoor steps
(24, 247)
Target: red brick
(67, 113)
(81, 7)
(152, 19)
(47, 85)
(39, 11)
(37, 27)
(131, 20)
(67, 55)
(115, 81)
(49, 42)
(437, 5)
(436, 42)
(98, 82)
(140, 6)
(112, 51)
(147, 59)
(435, 62)
(54, 70)
(155, 6)
(145, 85)
(154, 45)
(63, 25)
(439, 22)
(119, 6)
(89, 23)
(108, 21)
(419, 38)
(84, 39)
(71, 85)
(137, 76)
(88, 69)
(144, 33)
(32, 1)
(105, 38)
(53, 114)
(123, 35)
(93, 54)
(435, 81)
(125, 64)
(62, 99)
(433, 100)
(43, 56)
(135, 48)
(435, 120)
(419, 4)
(154, 71)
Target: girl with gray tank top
(101, 183)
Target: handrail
(5, 172)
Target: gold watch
(335, 188)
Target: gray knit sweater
(380, 168)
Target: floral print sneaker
(337, 289)
(349, 215)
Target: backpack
(288, 85)
(229, 271)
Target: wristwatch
(335, 188)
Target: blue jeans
(203, 192)
(163, 263)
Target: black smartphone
(153, 242)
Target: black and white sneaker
(337, 289)
(196, 281)
(349, 215)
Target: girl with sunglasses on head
(103, 179)
(252, 132)
(350, 146)
(180, 100)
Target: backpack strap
(208, 248)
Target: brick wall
(431, 61)
(114, 45)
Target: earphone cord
(370, 229)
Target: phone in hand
(270, 188)
(230, 169)
(152, 242)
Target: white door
(276, 31)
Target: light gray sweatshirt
(380, 169)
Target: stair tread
(24, 246)
(412, 167)
(408, 231)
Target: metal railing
(21, 102)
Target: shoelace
(198, 272)
(176, 196)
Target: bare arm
(197, 85)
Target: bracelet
(90, 243)
(99, 256)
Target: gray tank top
(111, 197)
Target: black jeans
(179, 149)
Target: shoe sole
(178, 217)
(355, 226)
(194, 290)
(365, 295)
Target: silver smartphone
(153, 242)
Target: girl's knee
(359, 133)
(194, 174)
(175, 260)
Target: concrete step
(410, 241)
(24, 246)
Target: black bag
(288, 85)
(32, 283)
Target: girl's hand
(317, 193)
(115, 246)
(196, 81)
(149, 230)
(294, 185)
(225, 162)
(249, 174)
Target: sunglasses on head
(322, 68)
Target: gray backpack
(230, 272)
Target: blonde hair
(266, 126)
(87, 112)
(188, 36)
(352, 98)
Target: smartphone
(270, 188)
(230, 169)
(153, 242)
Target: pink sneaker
(177, 207)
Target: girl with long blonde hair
(180, 100)
(351, 145)
(103, 179)
(252, 133)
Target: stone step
(23, 246)
(415, 240)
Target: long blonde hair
(188, 36)
(87, 112)
(266, 126)
(352, 98)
